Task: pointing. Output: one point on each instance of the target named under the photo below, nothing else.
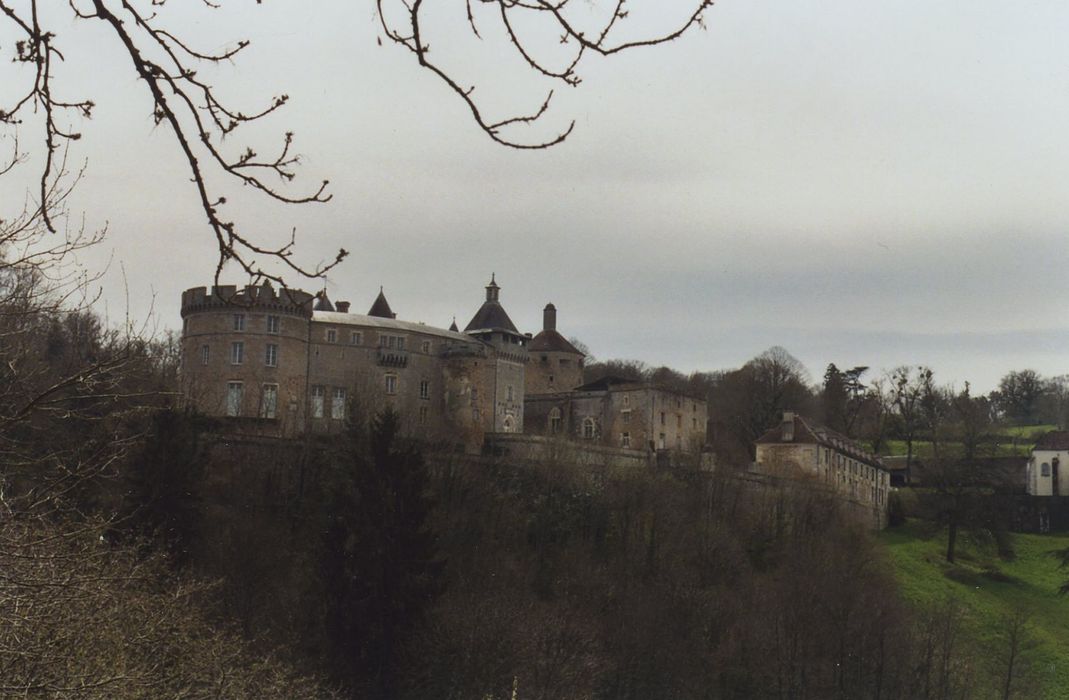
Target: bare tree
(907, 400)
(565, 33)
(204, 123)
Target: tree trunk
(952, 539)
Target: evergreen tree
(380, 566)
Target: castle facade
(288, 363)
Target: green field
(990, 590)
(1007, 441)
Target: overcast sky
(861, 182)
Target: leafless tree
(551, 36)
(204, 123)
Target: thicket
(498, 580)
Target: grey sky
(860, 182)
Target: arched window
(589, 428)
(554, 421)
(1044, 470)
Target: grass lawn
(923, 449)
(990, 590)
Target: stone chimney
(549, 318)
(342, 306)
(787, 427)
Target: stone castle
(287, 363)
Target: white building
(1048, 473)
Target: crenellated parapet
(264, 297)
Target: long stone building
(797, 448)
(287, 363)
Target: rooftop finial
(492, 289)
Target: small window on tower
(272, 324)
(332, 335)
(239, 322)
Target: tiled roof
(388, 323)
(1054, 440)
(491, 316)
(381, 307)
(807, 433)
(551, 341)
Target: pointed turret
(323, 302)
(453, 325)
(381, 307)
(491, 315)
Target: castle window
(237, 353)
(662, 418)
(507, 424)
(269, 401)
(551, 379)
(317, 401)
(239, 322)
(544, 358)
(272, 324)
(679, 422)
(1044, 470)
(271, 355)
(625, 440)
(424, 389)
(554, 421)
(422, 415)
(332, 335)
(625, 415)
(356, 338)
(425, 346)
(337, 404)
(233, 398)
(589, 428)
(205, 353)
(391, 383)
(627, 399)
(660, 442)
(400, 343)
(508, 393)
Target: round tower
(245, 355)
(555, 364)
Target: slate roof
(381, 308)
(491, 316)
(1054, 440)
(807, 433)
(339, 318)
(551, 341)
(323, 303)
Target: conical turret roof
(381, 307)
